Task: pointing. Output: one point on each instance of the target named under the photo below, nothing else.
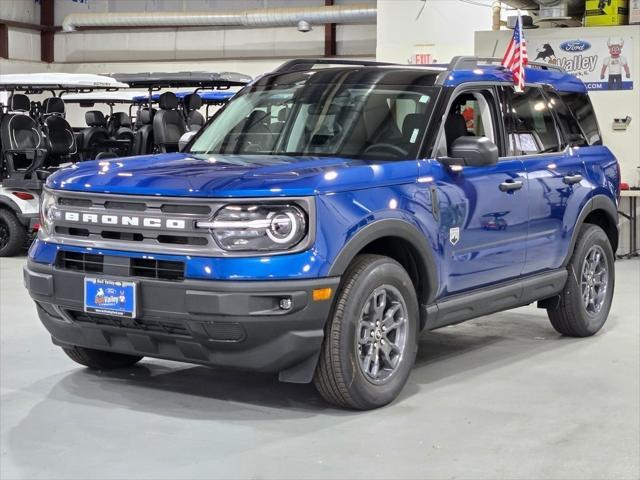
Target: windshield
(327, 119)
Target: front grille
(154, 326)
(80, 262)
(160, 269)
(138, 267)
(134, 223)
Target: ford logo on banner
(575, 46)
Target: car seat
(194, 118)
(21, 140)
(60, 138)
(121, 130)
(96, 136)
(143, 143)
(168, 123)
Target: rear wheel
(586, 299)
(100, 360)
(13, 235)
(371, 339)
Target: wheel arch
(400, 240)
(599, 210)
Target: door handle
(510, 185)
(571, 179)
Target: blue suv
(326, 216)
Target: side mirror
(472, 152)
(184, 139)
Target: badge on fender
(454, 235)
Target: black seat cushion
(19, 103)
(95, 118)
(20, 138)
(53, 106)
(143, 143)
(455, 127)
(195, 120)
(60, 136)
(168, 123)
(121, 119)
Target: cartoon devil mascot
(615, 62)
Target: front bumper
(222, 323)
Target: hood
(180, 174)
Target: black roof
(182, 79)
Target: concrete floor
(500, 397)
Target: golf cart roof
(208, 96)
(58, 81)
(183, 79)
(121, 96)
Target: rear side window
(571, 130)
(533, 128)
(580, 105)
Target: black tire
(571, 316)
(13, 235)
(100, 360)
(340, 377)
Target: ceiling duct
(253, 18)
(556, 12)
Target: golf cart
(161, 129)
(35, 141)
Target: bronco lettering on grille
(125, 220)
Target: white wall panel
(447, 26)
(20, 10)
(24, 44)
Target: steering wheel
(386, 146)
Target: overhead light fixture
(304, 26)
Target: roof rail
(302, 64)
(469, 63)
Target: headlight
(46, 213)
(260, 228)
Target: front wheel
(13, 235)
(370, 340)
(100, 360)
(586, 299)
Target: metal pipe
(260, 17)
(496, 8)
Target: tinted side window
(533, 128)
(582, 110)
(572, 132)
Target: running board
(495, 298)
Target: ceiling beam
(47, 36)
(330, 49)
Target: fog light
(285, 304)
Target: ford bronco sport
(329, 213)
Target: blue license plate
(110, 297)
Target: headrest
(283, 113)
(192, 102)
(411, 123)
(19, 103)
(121, 119)
(95, 118)
(168, 101)
(145, 116)
(53, 105)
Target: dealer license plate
(110, 297)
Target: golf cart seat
(143, 143)
(121, 130)
(22, 150)
(195, 120)
(61, 141)
(96, 136)
(168, 123)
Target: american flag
(515, 58)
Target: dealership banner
(602, 63)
